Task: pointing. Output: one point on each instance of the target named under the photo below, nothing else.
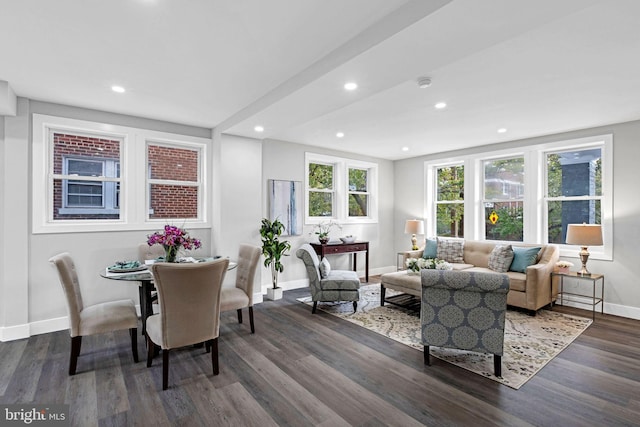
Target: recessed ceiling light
(118, 89)
(351, 86)
(405, 148)
(440, 105)
(502, 130)
(259, 128)
(339, 134)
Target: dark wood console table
(345, 248)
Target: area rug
(530, 342)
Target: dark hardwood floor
(302, 369)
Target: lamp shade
(584, 234)
(414, 226)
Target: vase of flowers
(414, 265)
(173, 238)
(323, 228)
(564, 266)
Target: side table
(591, 300)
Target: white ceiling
(532, 67)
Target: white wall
(286, 161)
(622, 292)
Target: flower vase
(170, 253)
(324, 240)
(563, 270)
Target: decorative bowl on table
(348, 239)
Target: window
(85, 177)
(321, 190)
(341, 189)
(96, 177)
(574, 190)
(358, 192)
(504, 199)
(527, 194)
(450, 201)
(174, 181)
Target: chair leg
(253, 328)
(151, 351)
(76, 343)
(214, 356)
(165, 368)
(315, 305)
(355, 306)
(427, 355)
(134, 343)
(382, 295)
(239, 315)
(497, 365)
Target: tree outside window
(450, 201)
(321, 190)
(358, 192)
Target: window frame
(535, 226)
(133, 180)
(341, 168)
(432, 173)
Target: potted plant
(323, 228)
(273, 250)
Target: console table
(345, 248)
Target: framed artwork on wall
(285, 204)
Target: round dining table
(144, 278)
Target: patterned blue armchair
(464, 310)
(339, 285)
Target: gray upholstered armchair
(338, 285)
(464, 310)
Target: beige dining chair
(94, 319)
(189, 297)
(241, 295)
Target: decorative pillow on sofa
(325, 268)
(430, 249)
(500, 258)
(523, 258)
(451, 250)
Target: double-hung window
(341, 189)
(86, 177)
(449, 200)
(573, 190)
(503, 198)
(321, 190)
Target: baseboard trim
(609, 308)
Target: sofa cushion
(500, 258)
(523, 258)
(430, 249)
(325, 268)
(451, 250)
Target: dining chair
(94, 319)
(241, 295)
(189, 297)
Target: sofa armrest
(538, 286)
(410, 254)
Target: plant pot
(274, 293)
(323, 240)
(563, 270)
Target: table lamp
(413, 227)
(584, 235)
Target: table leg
(366, 268)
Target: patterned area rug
(530, 342)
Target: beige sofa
(531, 290)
